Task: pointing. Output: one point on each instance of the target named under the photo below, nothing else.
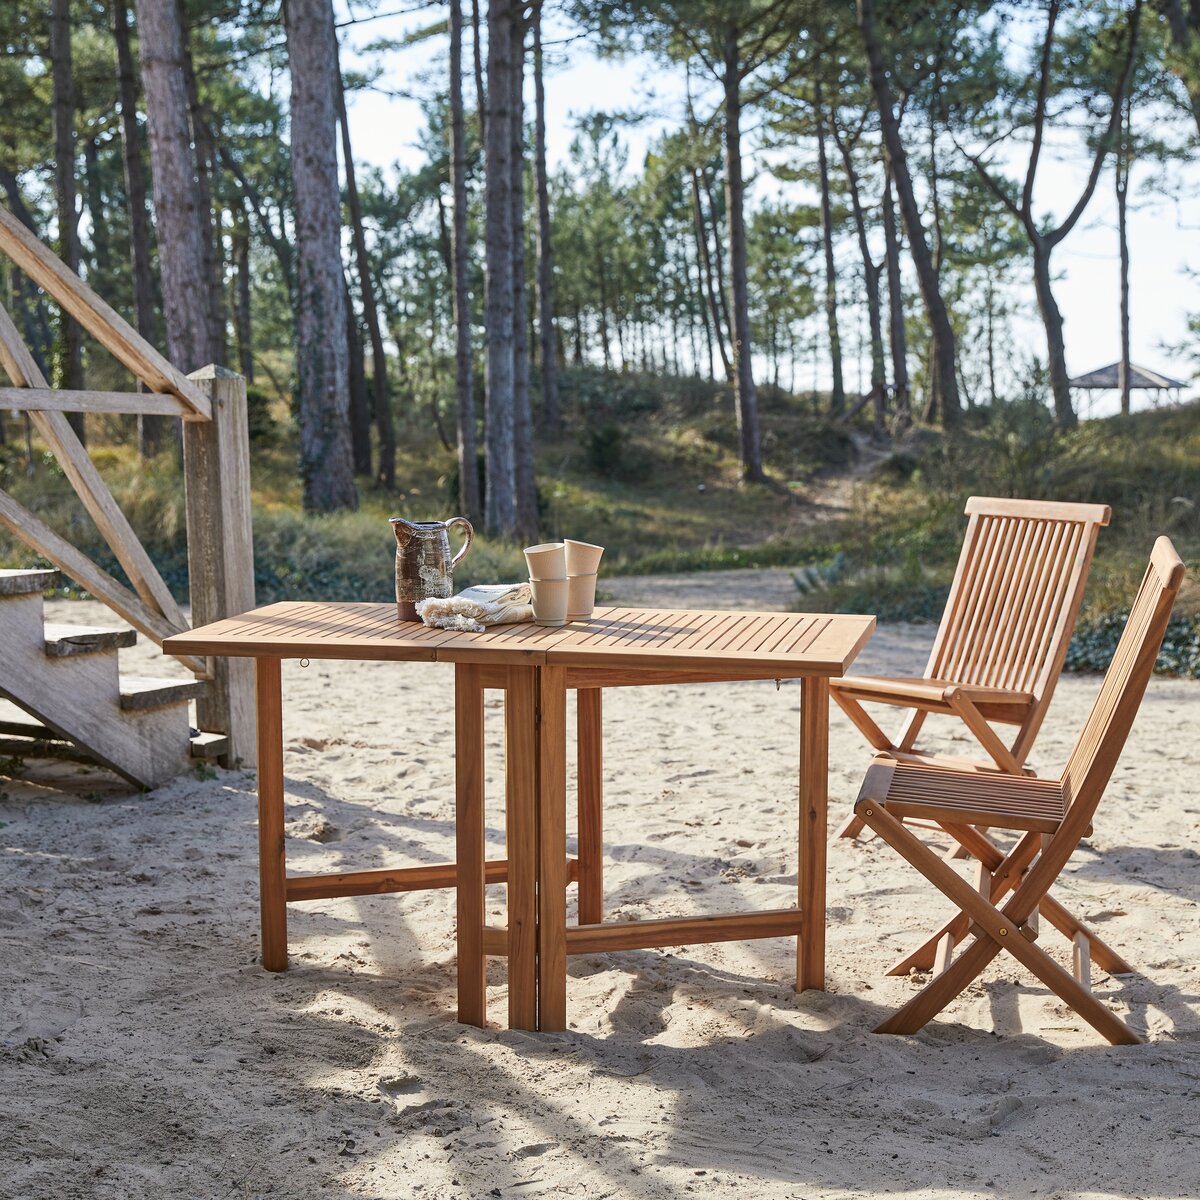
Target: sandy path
(143, 1052)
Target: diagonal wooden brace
(996, 930)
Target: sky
(1164, 232)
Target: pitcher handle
(470, 534)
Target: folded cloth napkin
(478, 607)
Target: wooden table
(536, 667)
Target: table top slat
(652, 639)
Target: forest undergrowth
(648, 467)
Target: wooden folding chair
(1000, 646)
(1051, 816)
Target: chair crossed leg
(1005, 871)
(994, 930)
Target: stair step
(62, 641)
(17, 722)
(209, 745)
(21, 582)
(139, 693)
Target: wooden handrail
(39, 399)
(106, 325)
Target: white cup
(546, 561)
(582, 557)
(581, 597)
(549, 601)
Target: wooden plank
(100, 320)
(996, 506)
(330, 631)
(470, 873)
(220, 544)
(521, 791)
(683, 931)
(139, 692)
(17, 581)
(384, 881)
(45, 399)
(494, 942)
(590, 734)
(272, 878)
(292, 629)
(614, 677)
(814, 832)
(67, 641)
(552, 847)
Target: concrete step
(65, 641)
(139, 693)
(22, 582)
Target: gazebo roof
(1139, 377)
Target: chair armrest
(906, 690)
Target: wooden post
(216, 469)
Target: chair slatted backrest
(1016, 594)
(1107, 727)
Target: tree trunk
(837, 398)
(500, 501)
(897, 334)
(745, 395)
(1060, 385)
(551, 404)
(381, 407)
(204, 159)
(468, 466)
(705, 295)
(93, 193)
(719, 263)
(150, 428)
(941, 331)
(360, 408)
(62, 80)
(527, 518)
(34, 320)
(1122, 188)
(178, 219)
(871, 274)
(326, 466)
(990, 293)
(477, 55)
(241, 307)
(710, 290)
(1183, 26)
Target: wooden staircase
(67, 698)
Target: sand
(144, 1053)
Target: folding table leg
(521, 795)
(271, 864)
(469, 835)
(590, 720)
(814, 805)
(552, 847)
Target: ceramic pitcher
(424, 566)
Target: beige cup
(549, 601)
(582, 557)
(581, 597)
(546, 561)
